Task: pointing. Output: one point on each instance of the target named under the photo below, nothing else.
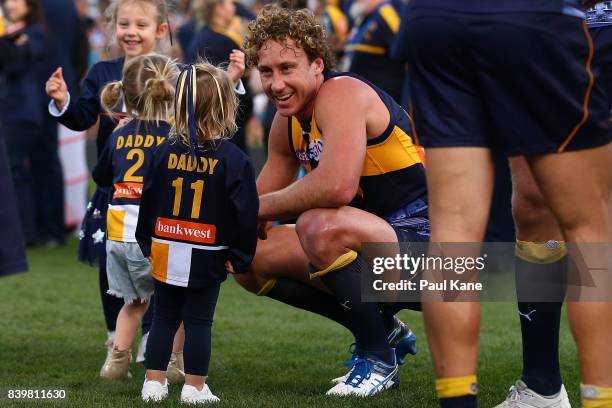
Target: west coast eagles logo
(312, 153)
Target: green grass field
(264, 353)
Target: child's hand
(56, 88)
(229, 267)
(236, 67)
(122, 122)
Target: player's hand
(236, 67)
(14, 28)
(262, 229)
(229, 267)
(56, 88)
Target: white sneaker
(368, 376)
(142, 347)
(154, 390)
(521, 396)
(191, 395)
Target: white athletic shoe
(142, 347)
(367, 376)
(154, 390)
(521, 396)
(191, 395)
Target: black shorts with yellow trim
(518, 83)
(411, 222)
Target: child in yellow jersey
(147, 89)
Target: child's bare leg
(128, 321)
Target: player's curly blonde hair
(280, 24)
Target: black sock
(540, 323)
(306, 297)
(365, 318)
(464, 401)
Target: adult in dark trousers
(22, 47)
(12, 245)
(61, 42)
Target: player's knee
(529, 209)
(319, 234)
(254, 284)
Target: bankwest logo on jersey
(186, 231)
(128, 190)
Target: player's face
(15, 10)
(138, 29)
(288, 78)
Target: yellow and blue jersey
(368, 49)
(123, 165)
(393, 174)
(198, 211)
(335, 22)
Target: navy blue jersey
(368, 50)
(20, 86)
(393, 174)
(84, 112)
(123, 165)
(502, 6)
(213, 44)
(197, 212)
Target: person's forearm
(304, 194)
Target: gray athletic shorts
(128, 271)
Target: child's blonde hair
(161, 6)
(214, 104)
(147, 87)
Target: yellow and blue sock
(540, 278)
(457, 392)
(596, 397)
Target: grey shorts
(128, 271)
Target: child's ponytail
(111, 95)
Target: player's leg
(580, 202)
(280, 271)
(540, 262)
(460, 183)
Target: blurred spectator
(12, 248)
(21, 50)
(335, 23)
(61, 42)
(217, 36)
(367, 51)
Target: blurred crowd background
(50, 164)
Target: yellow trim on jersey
(384, 158)
(234, 36)
(367, 49)
(340, 262)
(267, 287)
(540, 252)
(159, 261)
(596, 397)
(456, 386)
(390, 16)
(115, 220)
(338, 20)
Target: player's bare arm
(335, 181)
